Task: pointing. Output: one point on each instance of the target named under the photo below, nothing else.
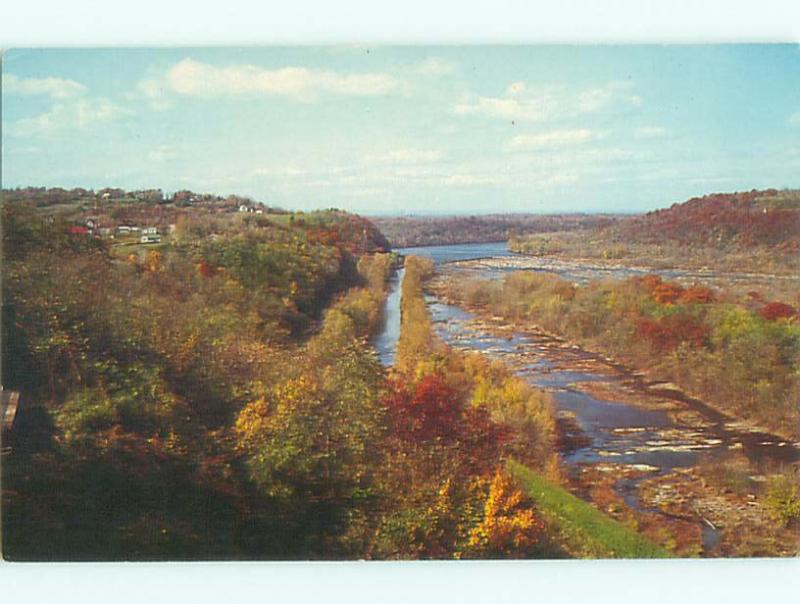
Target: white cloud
(532, 108)
(162, 153)
(613, 94)
(154, 92)
(794, 119)
(405, 156)
(79, 114)
(434, 66)
(194, 78)
(650, 132)
(523, 102)
(552, 139)
(57, 88)
(468, 180)
(293, 171)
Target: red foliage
(777, 310)
(666, 334)
(205, 269)
(697, 294)
(483, 439)
(742, 218)
(422, 412)
(432, 410)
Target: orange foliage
(153, 261)
(667, 293)
(650, 281)
(697, 294)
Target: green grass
(122, 250)
(585, 531)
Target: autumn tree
(509, 528)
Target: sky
(409, 130)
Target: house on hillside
(150, 239)
(150, 231)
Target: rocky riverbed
(634, 446)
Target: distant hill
(101, 213)
(756, 231)
(402, 231)
(721, 220)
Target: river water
(668, 431)
(386, 341)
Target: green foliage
(314, 441)
(783, 497)
(136, 399)
(582, 529)
(142, 362)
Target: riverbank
(613, 486)
(711, 343)
(644, 381)
(782, 285)
(601, 246)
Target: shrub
(777, 310)
(783, 497)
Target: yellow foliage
(509, 527)
(267, 414)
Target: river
(386, 341)
(647, 428)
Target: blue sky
(409, 130)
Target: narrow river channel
(647, 429)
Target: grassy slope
(585, 531)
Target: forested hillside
(754, 230)
(404, 231)
(142, 368)
(751, 218)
